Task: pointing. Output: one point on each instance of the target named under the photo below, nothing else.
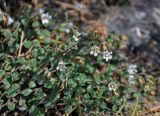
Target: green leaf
(11, 42)
(48, 85)
(79, 90)
(41, 51)
(86, 97)
(32, 84)
(90, 69)
(8, 68)
(52, 97)
(14, 48)
(15, 75)
(97, 80)
(110, 70)
(2, 73)
(21, 61)
(22, 102)
(34, 52)
(48, 104)
(35, 24)
(13, 90)
(68, 109)
(36, 43)
(11, 106)
(39, 94)
(33, 110)
(24, 21)
(22, 105)
(90, 89)
(27, 92)
(137, 94)
(6, 82)
(71, 83)
(53, 94)
(81, 79)
(44, 33)
(103, 105)
(28, 44)
(7, 33)
(40, 114)
(110, 40)
(124, 74)
(33, 63)
(15, 35)
(2, 55)
(23, 67)
(22, 108)
(62, 27)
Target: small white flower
(45, 17)
(107, 55)
(146, 88)
(131, 79)
(79, 6)
(132, 69)
(68, 27)
(52, 80)
(40, 11)
(67, 30)
(47, 72)
(76, 35)
(75, 38)
(95, 50)
(61, 66)
(112, 86)
(10, 20)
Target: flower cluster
(132, 70)
(95, 50)
(112, 86)
(76, 36)
(45, 17)
(67, 27)
(131, 79)
(107, 55)
(61, 66)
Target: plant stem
(135, 113)
(79, 106)
(121, 108)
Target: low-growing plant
(59, 70)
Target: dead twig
(153, 109)
(21, 44)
